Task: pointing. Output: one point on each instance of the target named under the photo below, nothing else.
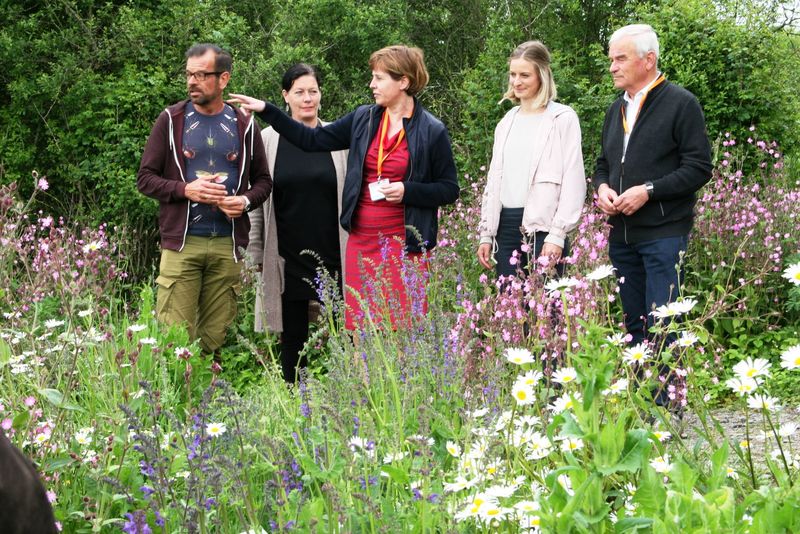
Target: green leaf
(651, 494)
(632, 457)
(20, 420)
(5, 353)
(56, 398)
(54, 464)
(396, 474)
(632, 524)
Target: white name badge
(375, 189)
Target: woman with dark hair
(301, 215)
(399, 171)
(536, 184)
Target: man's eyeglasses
(200, 75)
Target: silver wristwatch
(648, 186)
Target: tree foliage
(83, 80)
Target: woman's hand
(247, 103)
(551, 251)
(394, 192)
(485, 255)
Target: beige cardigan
(557, 178)
(263, 247)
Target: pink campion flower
(43, 184)
(29, 401)
(6, 424)
(51, 496)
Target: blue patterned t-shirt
(211, 146)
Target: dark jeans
(651, 277)
(510, 238)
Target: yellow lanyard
(622, 109)
(384, 128)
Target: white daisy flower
(603, 271)
(85, 313)
(618, 339)
(531, 378)
(565, 402)
(661, 464)
(565, 375)
(787, 430)
(763, 402)
(53, 323)
(662, 435)
(752, 368)
(792, 273)
(148, 341)
(562, 284)
(527, 506)
(620, 386)
(790, 358)
(571, 444)
(459, 484)
(392, 457)
(637, 354)
(453, 449)
(137, 327)
(687, 339)
(523, 394)
(519, 356)
(216, 429)
(538, 447)
(92, 246)
(742, 386)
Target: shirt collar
(641, 91)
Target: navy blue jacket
(431, 180)
(668, 147)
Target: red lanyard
(384, 128)
(622, 109)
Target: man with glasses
(205, 163)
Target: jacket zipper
(239, 185)
(410, 174)
(174, 147)
(622, 216)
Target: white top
(517, 153)
(632, 110)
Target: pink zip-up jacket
(557, 178)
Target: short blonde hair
(538, 55)
(399, 61)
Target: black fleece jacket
(431, 180)
(668, 147)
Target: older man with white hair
(655, 155)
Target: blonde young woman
(301, 215)
(536, 184)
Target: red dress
(375, 273)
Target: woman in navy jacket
(400, 169)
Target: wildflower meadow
(511, 406)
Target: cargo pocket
(166, 286)
(233, 301)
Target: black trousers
(510, 238)
(294, 336)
